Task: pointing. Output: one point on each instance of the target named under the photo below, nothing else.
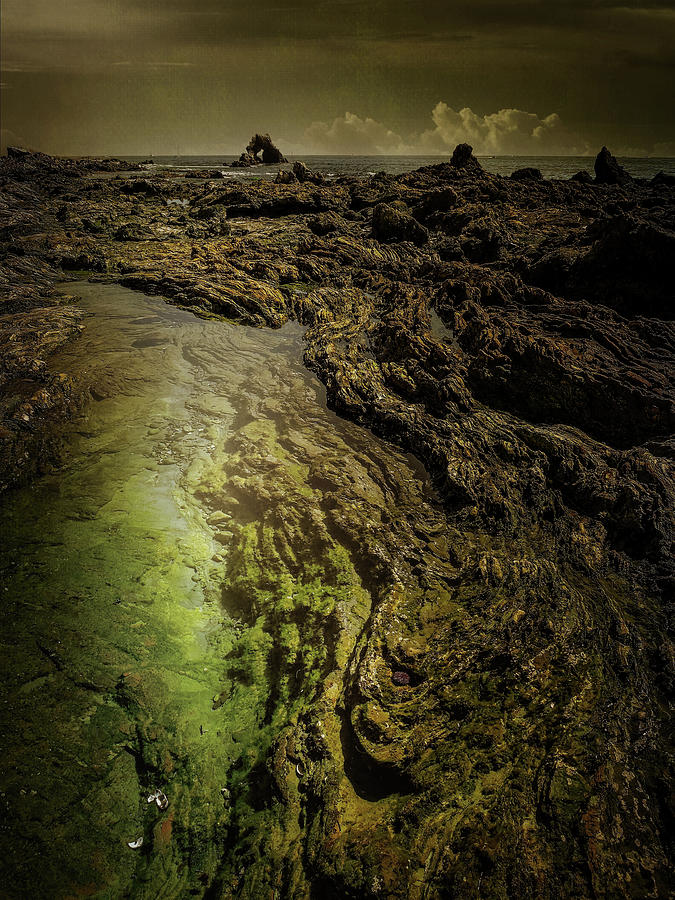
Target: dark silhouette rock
(245, 161)
(463, 158)
(664, 178)
(608, 170)
(304, 174)
(260, 144)
(285, 177)
(527, 173)
(583, 177)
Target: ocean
(333, 166)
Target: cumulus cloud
(350, 134)
(507, 132)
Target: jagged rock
(583, 177)
(326, 223)
(664, 178)
(463, 158)
(260, 143)
(283, 176)
(133, 231)
(142, 186)
(391, 224)
(245, 161)
(608, 170)
(304, 174)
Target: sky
(520, 77)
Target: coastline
(515, 334)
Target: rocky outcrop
(608, 170)
(304, 174)
(498, 724)
(463, 158)
(528, 173)
(394, 223)
(260, 144)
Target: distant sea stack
(260, 143)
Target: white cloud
(508, 132)
(350, 134)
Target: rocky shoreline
(502, 716)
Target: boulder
(262, 143)
(527, 173)
(608, 170)
(583, 177)
(391, 224)
(303, 173)
(664, 178)
(285, 177)
(245, 161)
(463, 158)
(325, 223)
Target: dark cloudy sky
(199, 76)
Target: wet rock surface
(486, 671)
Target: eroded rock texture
(487, 696)
(259, 144)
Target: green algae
(179, 607)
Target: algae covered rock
(391, 224)
(455, 677)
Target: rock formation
(608, 170)
(494, 720)
(260, 143)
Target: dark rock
(390, 224)
(260, 143)
(141, 186)
(304, 174)
(608, 170)
(583, 177)
(326, 223)
(665, 178)
(133, 231)
(285, 177)
(245, 161)
(463, 158)
(527, 173)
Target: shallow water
(128, 579)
